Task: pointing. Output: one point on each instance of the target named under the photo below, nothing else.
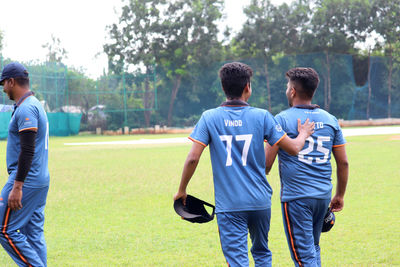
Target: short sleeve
(280, 120)
(27, 118)
(273, 131)
(338, 139)
(200, 132)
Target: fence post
(56, 78)
(97, 92)
(155, 87)
(125, 111)
(66, 83)
(1, 65)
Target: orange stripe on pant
(291, 235)
(9, 239)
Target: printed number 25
(310, 148)
(228, 139)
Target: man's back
(29, 115)
(236, 137)
(309, 173)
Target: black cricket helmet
(329, 221)
(194, 211)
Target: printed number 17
(228, 139)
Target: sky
(79, 24)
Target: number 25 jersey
(308, 175)
(236, 137)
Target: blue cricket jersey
(236, 135)
(29, 115)
(308, 175)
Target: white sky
(79, 24)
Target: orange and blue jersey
(21, 232)
(29, 115)
(236, 134)
(308, 175)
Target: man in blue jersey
(23, 197)
(236, 133)
(306, 178)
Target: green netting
(60, 124)
(4, 120)
(377, 90)
(75, 102)
(143, 99)
(64, 124)
(337, 92)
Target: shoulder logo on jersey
(278, 128)
(27, 122)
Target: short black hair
(22, 81)
(234, 78)
(305, 81)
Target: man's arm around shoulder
(294, 146)
(291, 146)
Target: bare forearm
(270, 155)
(18, 185)
(342, 177)
(299, 142)
(188, 169)
(187, 173)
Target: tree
(182, 35)
(387, 24)
(191, 38)
(55, 52)
(270, 30)
(136, 40)
(335, 27)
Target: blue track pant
(233, 231)
(21, 232)
(302, 220)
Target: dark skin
(15, 92)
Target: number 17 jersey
(236, 137)
(308, 175)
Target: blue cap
(13, 70)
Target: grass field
(112, 206)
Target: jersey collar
(312, 106)
(234, 103)
(25, 96)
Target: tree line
(170, 52)
(183, 39)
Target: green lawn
(112, 206)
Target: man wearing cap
(236, 132)
(23, 197)
(306, 178)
